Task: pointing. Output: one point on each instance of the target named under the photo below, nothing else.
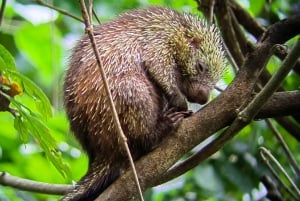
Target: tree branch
(243, 118)
(228, 29)
(213, 117)
(281, 97)
(267, 157)
(254, 28)
(246, 20)
(33, 186)
(64, 12)
(281, 104)
(285, 147)
(289, 126)
(216, 115)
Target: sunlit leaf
(18, 125)
(42, 102)
(27, 123)
(42, 46)
(6, 59)
(39, 130)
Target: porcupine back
(140, 52)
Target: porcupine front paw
(173, 118)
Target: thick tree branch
(244, 117)
(281, 97)
(216, 115)
(281, 104)
(210, 119)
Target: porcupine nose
(201, 97)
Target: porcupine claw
(173, 117)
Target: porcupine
(155, 59)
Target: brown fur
(154, 59)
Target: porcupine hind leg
(145, 129)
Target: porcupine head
(193, 61)
(201, 63)
(169, 55)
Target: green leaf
(256, 6)
(207, 179)
(6, 59)
(18, 125)
(41, 45)
(42, 134)
(27, 122)
(41, 100)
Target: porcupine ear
(195, 41)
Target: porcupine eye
(201, 67)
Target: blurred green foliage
(40, 41)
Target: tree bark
(215, 116)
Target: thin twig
(97, 18)
(33, 186)
(230, 57)
(265, 152)
(90, 11)
(273, 192)
(277, 178)
(89, 30)
(241, 38)
(285, 147)
(211, 11)
(246, 20)
(225, 22)
(64, 12)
